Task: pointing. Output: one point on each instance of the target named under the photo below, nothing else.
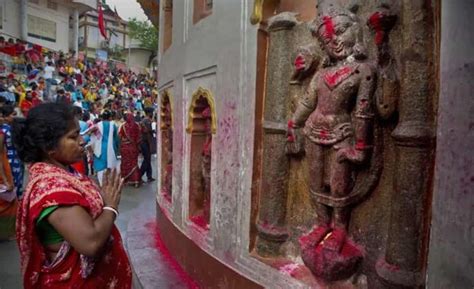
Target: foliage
(116, 52)
(144, 32)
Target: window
(202, 9)
(52, 5)
(168, 30)
(41, 28)
(1, 15)
(34, 1)
(168, 5)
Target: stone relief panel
(202, 124)
(337, 134)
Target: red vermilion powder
(328, 26)
(375, 23)
(169, 259)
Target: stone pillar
(75, 32)
(275, 163)
(23, 20)
(403, 264)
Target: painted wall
(11, 22)
(450, 261)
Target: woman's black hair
(106, 115)
(7, 110)
(41, 131)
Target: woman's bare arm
(86, 235)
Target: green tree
(145, 33)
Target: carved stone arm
(363, 119)
(364, 108)
(306, 105)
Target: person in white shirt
(48, 76)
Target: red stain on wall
(200, 221)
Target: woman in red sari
(65, 226)
(129, 134)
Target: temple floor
(150, 261)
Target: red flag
(101, 21)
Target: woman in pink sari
(130, 134)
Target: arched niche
(202, 124)
(166, 129)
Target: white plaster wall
(91, 3)
(11, 23)
(219, 54)
(139, 58)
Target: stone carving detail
(337, 117)
(206, 163)
(381, 22)
(359, 101)
(166, 145)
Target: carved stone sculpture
(167, 147)
(206, 163)
(336, 115)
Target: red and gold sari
(8, 204)
(129, 134)
(50, 186)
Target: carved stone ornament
(257, 13)
(343, 142)
(166, 111)
(166, 115)
(202, 92)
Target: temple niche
(166, 114)
(344, 141)
(202, 125)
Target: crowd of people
(67, 119)
(115, 109)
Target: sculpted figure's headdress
(328, 9)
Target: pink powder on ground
(169, 259)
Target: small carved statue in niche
(167, 136)
(336, 116)
(206, 162)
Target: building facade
(91, 40)
(52, 24)
(118, 47)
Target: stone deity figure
(168, 146)
(206, 162)
(336, 117)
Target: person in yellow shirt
(80, 65)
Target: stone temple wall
(253, 194)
